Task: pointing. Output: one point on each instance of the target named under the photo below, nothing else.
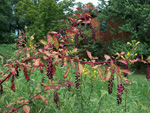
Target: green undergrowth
(91, 97)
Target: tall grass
(91, 97)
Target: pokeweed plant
(54, 51)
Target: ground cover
(92, 95)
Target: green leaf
(44, 42)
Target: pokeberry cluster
(119, 93)
(77, 81)
(1, 88)
(50, 68)
(56, 99)
(110, 84)
(93, 32)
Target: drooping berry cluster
(119, 93)
(76, 40)
(77, 81)
(50, 68)
(69, 87)
(110, 84)
(42, 81)
(93, 32)
(56, 99)
(1, 88)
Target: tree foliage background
(40, 16)
(134, 16)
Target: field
(91, 97)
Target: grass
(91, 97)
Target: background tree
(134, 16)
(5, 20)
(42, 16)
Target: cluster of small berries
(119, 93)
(50, 68)
(110, 85)
(56, 99)
(1, 88)
(77, 82)
(69, 87)
(76, 40)
(93, 32)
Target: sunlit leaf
(107, 57)
(26, 109)
(100, 72)
(89, 54)
(9, 105)
(126, 80)
(66, 73)
(107, 74)
(13, 71)
(44, 42)
(44, 99)
(56, 43)
(125, 71)
(80, 66)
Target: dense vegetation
(62, 69)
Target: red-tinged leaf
(125, 71)
(65, 61)
(12, 87)
(80, 66)
(44, 99)
(56, 43)
(67, 42)
(126, 80)
(54, 70)
(66, 73)
(7, 77)
(26, 109)
(107, 57)
(85, 19)
(54, 33)
(71, 83)
(47, 53)
(77, 15)
(44, 42)
(100, 72)
(79, 8)
(26, 73)
(65, 22)
(12, 110)
(49, 39)
(89, 54)
(37, 62)
(13, 71)
(71, 19)
(123, 61)
(107, 74)
(9, 105)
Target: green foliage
(134, 16)
(70, 101)
(7, 52)
(44, 15)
